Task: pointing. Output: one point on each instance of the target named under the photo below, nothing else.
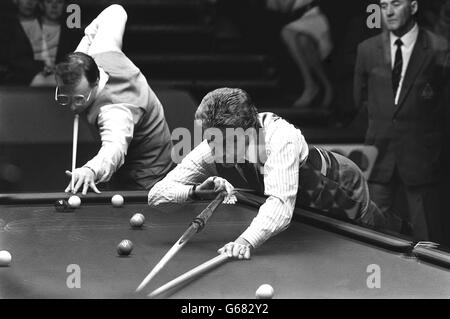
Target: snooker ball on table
(264, 292)
(125, 247)
(5, 258)
(137, 220)
(62, 205)
(117, 200)
(74, 201)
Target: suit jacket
(16, 54)
(411, 135)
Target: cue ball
(125, 247)
(117, 200)
(264, 292)
(5, 258)
(137, 220)
(74, 201)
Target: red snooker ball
(137, 220)
(125, 247)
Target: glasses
(78, 100)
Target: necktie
(398, 66)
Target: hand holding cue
(197, 271)
(255, 201)
(197, 225)
(74, 150)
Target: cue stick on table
(197, 271)
(74, 150)
(196, 226)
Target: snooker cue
(197, 271)
(74, 150)
(196, 225)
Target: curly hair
(227, 107)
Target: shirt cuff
(182, 194)
(254, 237)
(95, 166)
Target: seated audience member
(35, 42)
(308, 41)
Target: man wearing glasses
(101, 83)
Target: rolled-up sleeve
(116, 125)
(196, 167)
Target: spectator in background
(57, 39)
(402, 77)
(36, 38)
(307, 37)
(17, 51)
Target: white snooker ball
(137, 220)
(74, 201)
(5, 258)
(264, 292)
(117, 200)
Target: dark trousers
(410, 210)
(336, 186)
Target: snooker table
(316, 257)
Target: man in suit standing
(401, 76)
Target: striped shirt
(286, 151)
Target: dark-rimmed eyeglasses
(78, 99)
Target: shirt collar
(408, 39)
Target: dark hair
(74, 65)
(227, 107)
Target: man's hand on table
(240, 249)
(83, 177)
(218, 184)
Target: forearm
(167, 191)
(106, 162)
(193, 170)
(116, 127)
(273, 217)
(178, 185)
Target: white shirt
(409, 40)
(286, 151)
(116, 126)
(116, 121)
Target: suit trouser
(422, 208)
